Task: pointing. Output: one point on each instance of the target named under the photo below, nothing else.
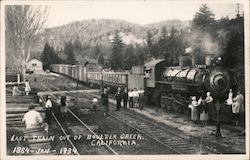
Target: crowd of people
(201, 110)
(124, 99)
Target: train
(166, 86)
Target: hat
(32, 106)
(193, 98)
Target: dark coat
(105, 99)
(63, 101)
(125, 96)
(203, 107)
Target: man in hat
(32, 118)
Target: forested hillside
(91, 36)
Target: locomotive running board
(171, 83)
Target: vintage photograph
(124, 78)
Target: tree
(129, 58)
(202, 33)
(116, 53)
(203, 19)
(23, 24)
(49, 57)
(149, 44)
(101, 59)
(69, 51)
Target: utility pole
(238, 11)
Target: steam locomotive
(168, 87)
(171, 87)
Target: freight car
(97, 78)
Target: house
(34, 65)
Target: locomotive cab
(153, 71)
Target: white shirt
(135, 94)
(32, 119)
(236, 107)
(130, 94)
(95, 100)
(141, 91)
(209, 99)
(48, 104)
(229, 101)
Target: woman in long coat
(203, 110)
(194, 109)
(210, 104)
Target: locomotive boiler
(170, 87)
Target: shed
(35, 65)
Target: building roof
(35, 57)
(154, 62)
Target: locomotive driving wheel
(163, 99)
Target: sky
(140, 12)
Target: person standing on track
(125, 98)
(105, 101)
(32, 118)
(48, 106)
(63, 109)
(130, 101)
(27, 87)
(118, 97)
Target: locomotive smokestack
(208, 58)
(189, 51)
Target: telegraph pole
(238, 11)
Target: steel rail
(173, 133)
(114, 152)
(150, 136)
(71, 143)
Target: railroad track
(86, 126)
(167, 138)
(64, 132)
(175, 142)
(75, 148)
